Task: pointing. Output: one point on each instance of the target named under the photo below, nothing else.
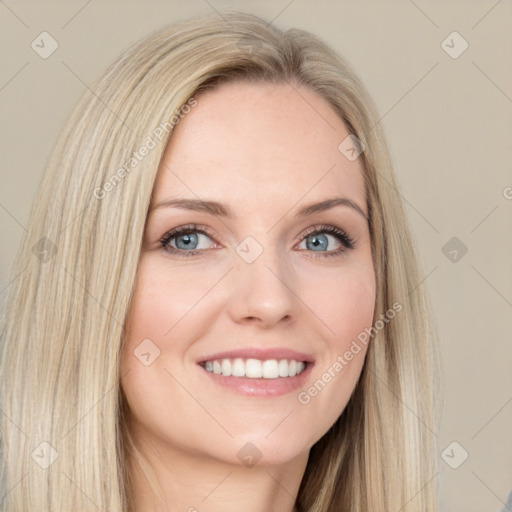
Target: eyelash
(347, 241)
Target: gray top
(508, 506)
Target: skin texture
(265, 150)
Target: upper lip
(259, 353)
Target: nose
(262, 292)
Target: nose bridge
(263, 283)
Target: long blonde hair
(62, 430)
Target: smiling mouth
(255, 368)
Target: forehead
(250, 144)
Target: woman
(218, 304)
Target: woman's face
(268, 280)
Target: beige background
(448, 123)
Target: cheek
(161, 300)
(161, 316)
(151, 316)
(349, 307)
(344, 301)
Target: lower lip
(260, 387)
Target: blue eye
(185, 241)
(317, 240)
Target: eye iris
(319, 241)
(188, 239)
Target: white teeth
(226, 367)
(270, 369)
(254, 368)
(238, 368)
(283, 368)
(217, 368)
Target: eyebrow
(222, 210)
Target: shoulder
(508, 505)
